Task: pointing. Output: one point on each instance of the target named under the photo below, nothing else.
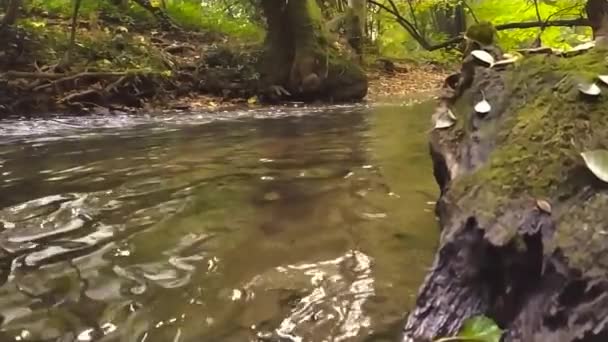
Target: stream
(277, 224)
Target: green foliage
(510, 11)
(427, 15)
(65, 7)
(212, 16)
(101, 49)
(476, 329)
(205, 16)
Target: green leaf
(597, 162)
(481, 328)
(253, 100)
(476, 329)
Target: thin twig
(466, 4)
(68, 52)
(66, 77)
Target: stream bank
(523, 221)
(117, 69)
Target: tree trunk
(356, 25)
(597, 12)
(451, 20)
(299, 58)
(12, 13)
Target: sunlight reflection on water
(297, 224)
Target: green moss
(547, 124)
(482, 32)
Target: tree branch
(467, 6)
(68, 53)
(411, 29)
(531, 24)
(521, 25)
(408, 26)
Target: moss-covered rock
(483, 32)
(538, 274)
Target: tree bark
(68, 54)
(298, 56)
(12, 13)
(356, 24)
(521, 25)
(513, 201)
(452, 20)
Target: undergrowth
(189, 15)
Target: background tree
(298, 55)
(12, 12)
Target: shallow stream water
(300, 224)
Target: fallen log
(524, 235)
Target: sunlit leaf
(590, 89)
(477, 329)
(38, 24)
(482, 329)
(597, 162)
(122, 29)
(603, 78)
(252, 100)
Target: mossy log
(299, 58)
(541, 273)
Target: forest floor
(114, 68)
(415, 79)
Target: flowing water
(311, 224)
